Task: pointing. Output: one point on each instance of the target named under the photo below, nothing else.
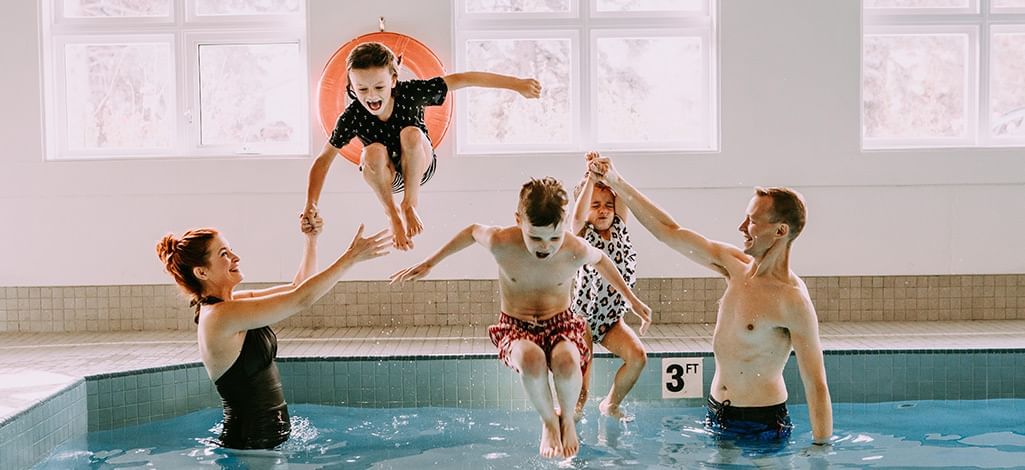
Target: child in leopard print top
(601, 220)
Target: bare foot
(414, 226)
(399, 238)
(608, 409)
(570, 441)
(551, 446)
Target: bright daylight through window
(943, 73)
(174, 78)
(637, 75)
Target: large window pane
(649, 5)
(116, 8)
(119, 96)
(644, 96)
(250, 93)
(897, 4)
(246, 7)
(1008, 92)
(914, 85)
(504, 117)
(517, 6)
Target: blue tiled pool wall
(116, 400)
(483, 382)
(123, 399)
(29, 436)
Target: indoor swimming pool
(928, 433)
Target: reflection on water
(951, 434)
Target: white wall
(790, 116)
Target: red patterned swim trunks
(545, 333)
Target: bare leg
(623, 342)
(566, 372)
(416, 156)
(530, 360)
(585, 385)
(379, 175)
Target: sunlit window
(139, 78)
(943, 73)
(636, 75)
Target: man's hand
(602, 167)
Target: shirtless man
(763, 315)
(537, 332)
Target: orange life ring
(415, 56)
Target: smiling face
(760, 232)
(602, 209)
(222, 267)
(542, 242)
(373, 87)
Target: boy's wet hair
(787, 207)
(543, 202)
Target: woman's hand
(374, 246)
(310, 222)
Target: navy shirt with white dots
(410, 98)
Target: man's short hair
(543, 202)
(787, 207)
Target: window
(635, 75)
(943, 73)
(158, 78)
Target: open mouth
(375, 105)
(541, 255)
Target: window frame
(981, 22)
(576, 137)
(664, 145)
(587, 27)
(60, 102)
(184, 35)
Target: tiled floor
(35, 365)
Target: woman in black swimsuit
(236, 343)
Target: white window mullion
(983, 131)
(585, 131)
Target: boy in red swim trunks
(536, 332)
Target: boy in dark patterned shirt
(387, 115)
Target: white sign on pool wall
(681, 377)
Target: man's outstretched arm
(718, 256)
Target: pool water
(941, 434)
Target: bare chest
(750, 318)
(525, 277)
